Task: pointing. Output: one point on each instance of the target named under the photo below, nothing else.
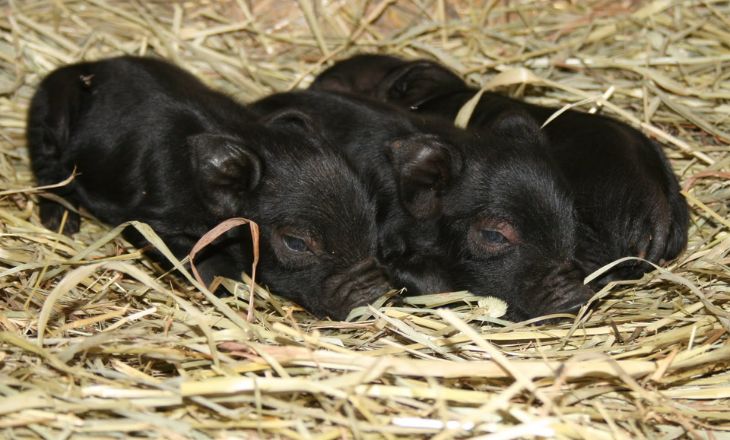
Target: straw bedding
(98, 343)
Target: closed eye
(493, 237)
(489, 237)
(295, 244)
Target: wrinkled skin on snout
(458, 210)
(626, 195)
(152, 143)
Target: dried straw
(98, 343)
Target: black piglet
(152, 143)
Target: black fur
(626, 194)
(152, 143)
(487, 212)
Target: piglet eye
(489, 237)
(295, 244)
(493, 237)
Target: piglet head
(318, 236)
(416, 82)
(361, 74)
(386, 78)
(504, 223)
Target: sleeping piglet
(626, 195)
(456, 210)
(152, 143)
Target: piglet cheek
(358, 285)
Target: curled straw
(64, 182)
(216, 232)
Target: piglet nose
(356, 286)
(576, 298)
(565, 289)
(569, 300)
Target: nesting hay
(96, 343)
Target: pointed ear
(361, 74)
(517, 126)
(424, 166)
(332, 82)
(225, 170)
(418, 81)
(289, 119)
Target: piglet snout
(563, 290)
(356, 286)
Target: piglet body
(152, 143)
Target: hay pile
(97, 344)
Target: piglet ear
(424, 166)
(418, 81)
(289, 119)
(225, 170)
(517, 126)
(332, 82)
